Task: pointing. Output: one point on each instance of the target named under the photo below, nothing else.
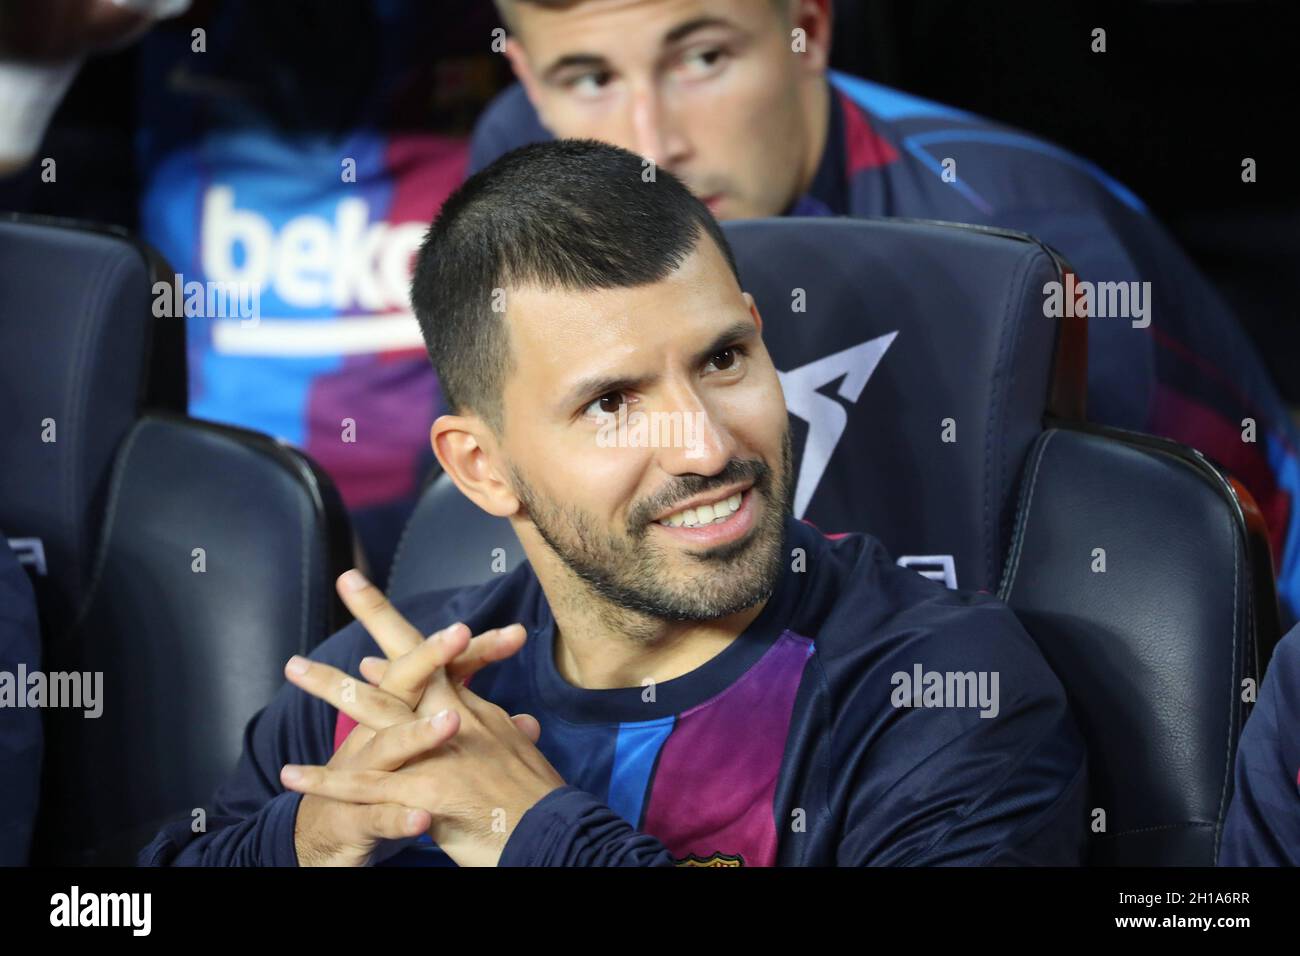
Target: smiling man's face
(622, 518)
(711, 90)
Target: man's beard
(629, 571)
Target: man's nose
(654, 132)
(699, 443)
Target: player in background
(737, 99)
(288, 155)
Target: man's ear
(467, 451)
(753, 310)
(514, 52)
(814, 18)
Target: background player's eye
(703, 62)
(589, 84)
(607, 404)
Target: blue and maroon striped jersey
(1189, 373)
(867, 716)
(323, 225)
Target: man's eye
(588, 84)
(727, 358)
(607, 404)
(702, 63)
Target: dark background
(1185, 91)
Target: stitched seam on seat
(1163, 826)
(110, 517)
(80, 384)
(396, 566)
(1022, 523)
(1227, 759)
(1002, 378)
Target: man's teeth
(705, 514)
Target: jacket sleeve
(251, 819)
(21, 739)
(944, 785)
(569, 827)
(1262, 827)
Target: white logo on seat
(30, 551)
(826, 417)
(936, 567)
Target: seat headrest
(450, 542)
(80, 354)
(917, 366)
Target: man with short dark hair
(696, 678)
(737, 99)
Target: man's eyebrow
(591, 61)
(734, 334)
(594, 61)
(683, 30)
(597, 385)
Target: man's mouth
(714, 512)
(713, 522)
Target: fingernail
(415, 820)
(372, 661)
(353, 580)
(438, 719)
(446, 633)
(297, 665)
(290, 774)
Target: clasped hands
(428, 755)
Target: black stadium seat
(74, 377)
(216, 561)
(183, 560)
(1153, 644)
(913, 333)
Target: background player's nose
(655, 137)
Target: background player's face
(686, 348)
(708, 89)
